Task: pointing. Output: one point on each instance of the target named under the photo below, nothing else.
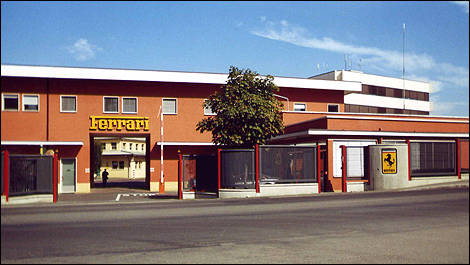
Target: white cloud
(463, 4)
(440, 107)
(82, 50)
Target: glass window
(130, 146)
(129, 105)
(300, 107)
(208, 110)
(121, 164)
(111, 104)
(30, 102)
(113, 146)
(103, 146)
(10, 102)
(169, 106)
(68, 103)
(124, 146)
(115, 164)
(333, 108)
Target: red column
(218, 172)
(409, 159)
(257, 167)
(6, 173)
(343, 158)
(318, 168)
(458, 159)
(55, 177)
(180, 175)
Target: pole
(161, 150)
(403, 92)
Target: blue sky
(294, 39)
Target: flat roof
(163, 76)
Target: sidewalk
(120, 193)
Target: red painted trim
(344, 169)
(458, 159)
(318, 168)
(218, 171)
(6, 173)
(180, 176)
(55, 176)
(257, 167)
(409, 159)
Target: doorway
(200, 174)
(68, 175)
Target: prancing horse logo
(389, 160)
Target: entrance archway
(126, 157)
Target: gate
(287, 164)
(355, 165)
(30, 174)
(237, 169)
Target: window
(208, 110)
(68, 103)
(10, 102)
(113, 146)
(110, 104)
(130, 146)
(169, 106)
(30, 102)
(129, 105)
(115, 164)
(103, 146)
(333, 108)
(300, 107)
(121, 164)
(124, 146)
(433, 158)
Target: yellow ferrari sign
(389, 161)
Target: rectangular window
(113, 146)
(169, 106)
(208, 110)
(68, 103)
(300, 107)
(10, 102)
(110, 104)
(130, 146)
(121, 164)
(115, 164)
(123, 146)
(30, 102)
(433, 158)
(103, 146)
(129, 105)
(333, 108)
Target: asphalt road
(426, 226)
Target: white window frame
(10, 94)
(136, 105)
(207, 113)
(176, 106)
(104, 110)
(22, 99)
(328, 107)
(69, 111)
(300, 103)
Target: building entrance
(200, 173)
(124, 158)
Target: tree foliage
(247, 113)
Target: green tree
(247, 113)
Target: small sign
(87, 170)
(389, 161)
(152, 169)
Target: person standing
(104, 177)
